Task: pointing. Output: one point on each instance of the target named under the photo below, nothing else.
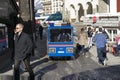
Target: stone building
(52, 6)
(75, 10)
(104, 12)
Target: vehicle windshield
(60, 35)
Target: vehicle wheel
(51, 58)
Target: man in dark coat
(23, 49)
(39, 30)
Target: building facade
(106, 13)
(52, 6)
(47, 6)
(78, 8)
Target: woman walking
(83, 39)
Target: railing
(103, 21)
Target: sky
(37, 4)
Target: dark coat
(23, 46)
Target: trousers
(101, 54)
(28, 68)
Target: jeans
(83, 49)
(27, 65)
(117, 49)
(101, 54)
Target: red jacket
(116, 39)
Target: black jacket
(23, 46)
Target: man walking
(100, 42)
(23, 49)
(39, 31)
(90, 33)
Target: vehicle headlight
(69, 50)
(52, 50)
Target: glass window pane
(60, 35)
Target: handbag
(78, 46)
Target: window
(112, 34)
(56, 4)
(60, 35)
(3, 38)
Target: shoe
(106, 59)
(105, 62)
(86, 56)
(83, 54)
(100, 62)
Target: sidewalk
(112, 60)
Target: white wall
(113, 6)
(76, 7)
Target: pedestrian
(117, 48)
(101, 43)
(64, 36)
(82, 40)
(105, 33)
(90, 33)
(23, 48)
(41, 31)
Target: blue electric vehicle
(60, 41)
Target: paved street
(78, 68)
